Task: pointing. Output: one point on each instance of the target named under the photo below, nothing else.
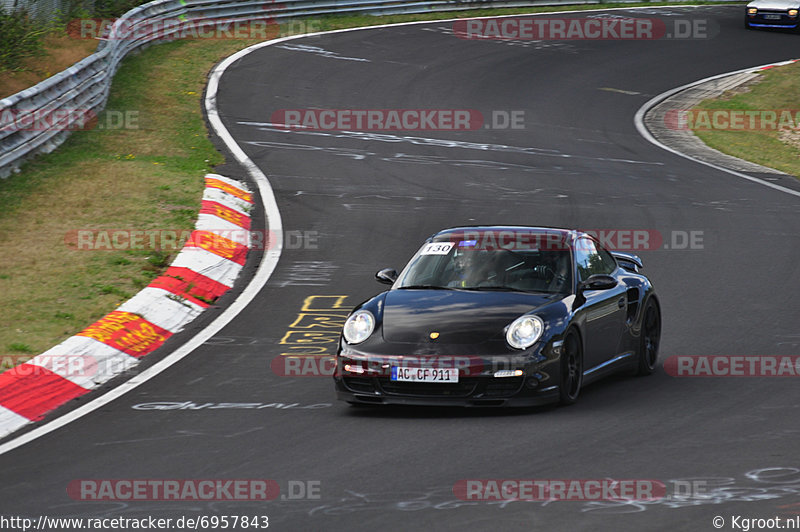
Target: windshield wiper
(505, 289)
(495, 288)
(425, 287)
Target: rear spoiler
(629, 261)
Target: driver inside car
(463, 268)
(469, 269)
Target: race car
(499, 316)
(772, 14)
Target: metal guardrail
(85, 86)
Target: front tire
(649, 338)
(571, 369)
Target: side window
(592, 259)
(609, 263)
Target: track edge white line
(638, 120)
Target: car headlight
(524, 332)
(752, 10)
(358, 327)
(792, 12)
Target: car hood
(460, 317)
(778, 5)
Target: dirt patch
(790, 137)
(744, 88)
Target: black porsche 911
(499, 316)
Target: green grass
(21, 37)
(778, 88)
(145, 178)
(18, 347)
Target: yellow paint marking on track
(316, 328)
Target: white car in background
(772, 14)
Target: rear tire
(571, 369)
(649, 338)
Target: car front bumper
(761, 20)
(477, 386)
(364, 377)
(540, 397)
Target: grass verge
(150, 177)
(776, 89)
(147, 177)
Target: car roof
(567, 234)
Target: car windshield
(456, 266)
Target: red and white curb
(773, 65)
(205, 268)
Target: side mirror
(386, 276)
(598, 281)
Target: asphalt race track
(366, 201)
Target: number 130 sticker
(437, 248)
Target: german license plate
(772, 17)
(443, 375)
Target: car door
(604, 310)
